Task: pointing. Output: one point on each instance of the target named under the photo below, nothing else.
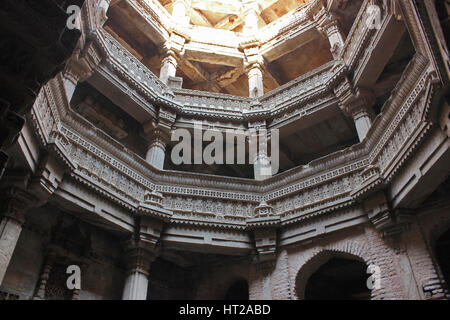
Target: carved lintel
(166, 118)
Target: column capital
(315, 7)
(328, 25)
(359, 103)
(255, 67)
(102, 9)
(158, 138)
(83, 63)
(158, 131)
(169, 58)
(139, 256)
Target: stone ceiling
(227, 74)
(229, 14)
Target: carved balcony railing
(304, 88)
(325, 185)
(212, 104)
(286, 26)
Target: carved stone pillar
(168, 67)
(329, 26)
(139, 258)
(258, 145)
(157, 149)
(261, 166)
(158, 135)
(15, 203)
(255, 81)
(80, 67)
(359, 107)
(143, 248)
(363, 121)
(45, 274)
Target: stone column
(359, 107)
(261, 166)
(139, 259)
(14, 206)
(158, 135)
(258, 151)
(70, 83)
(255, 81)
(254, 59)
(363, 121)
(168, 67)
(327, 24)
(80, 67)
(335, 36)
(45, 275)
(157, 149)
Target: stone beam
(229, 77)
(217, 6)
(424, 173)
(270, 77)
(382, 51)
(229, 23)
(199, 18)
(213, 54)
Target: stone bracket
(385, 219)
(264, 226)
